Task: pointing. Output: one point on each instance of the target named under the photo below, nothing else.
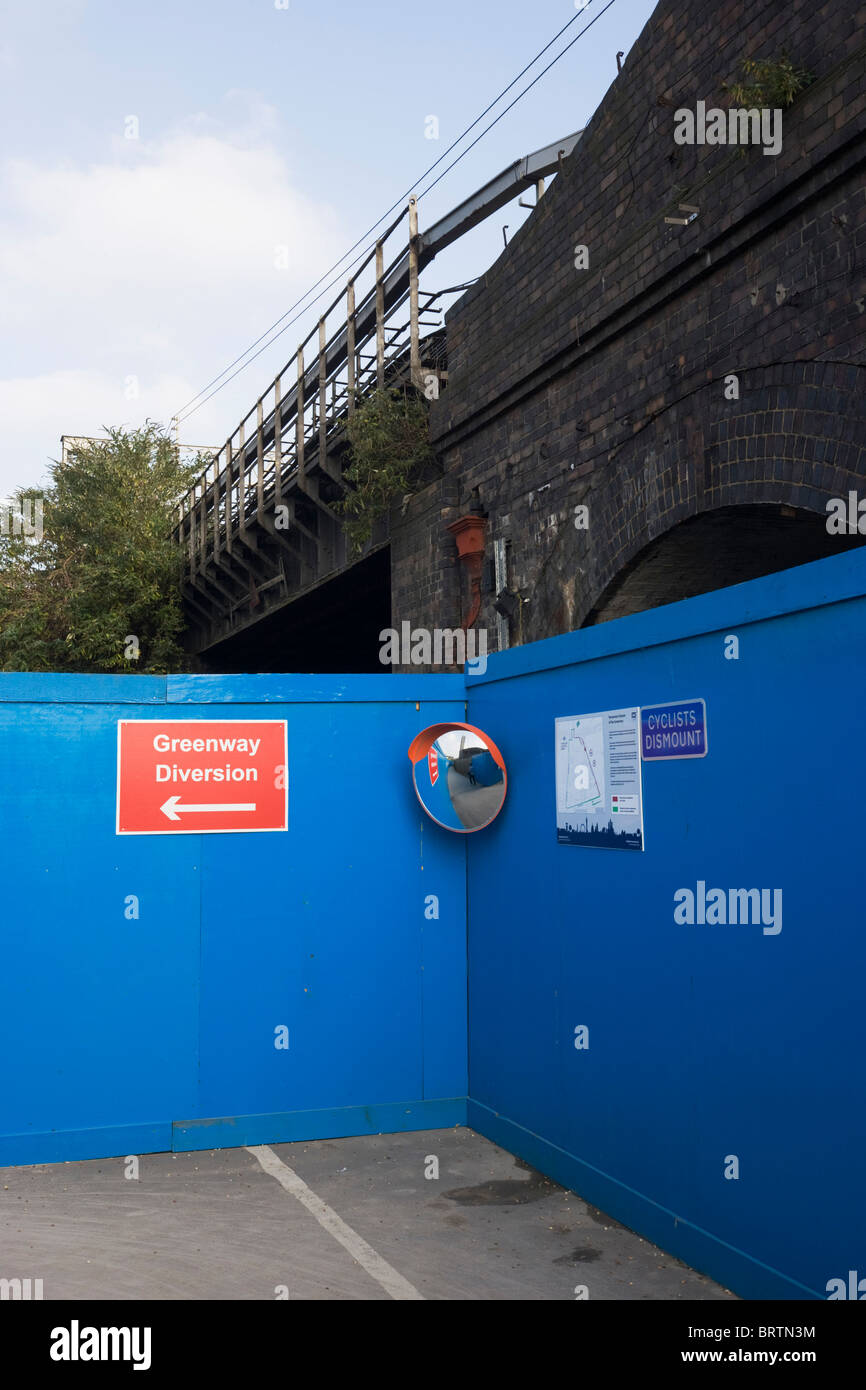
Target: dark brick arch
(794, 439)
(727, 545)
(798, 429)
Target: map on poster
(598, 780)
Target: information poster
(598, 780)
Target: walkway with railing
(258, 526)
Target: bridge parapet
(259, 526)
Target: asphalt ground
(343, 1219)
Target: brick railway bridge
(669, 412)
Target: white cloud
(158, 263)
(37, 410)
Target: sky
(174, 175)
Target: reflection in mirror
(460, 776)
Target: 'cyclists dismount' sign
(678, 730)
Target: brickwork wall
(605, 387)
(714, 549)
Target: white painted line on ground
(393, 1283)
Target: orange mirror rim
(420, 747)
(423, 742)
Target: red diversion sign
(197, 776)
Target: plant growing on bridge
(768, 83)
(104, 568)
(389, 443)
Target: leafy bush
(768, 83)
(389, 443)
(105, 567)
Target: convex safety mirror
(459, 775)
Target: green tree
(101, 568)
(389, 444)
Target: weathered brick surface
(606, 387)
(716, 548)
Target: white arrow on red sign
(173, 809)
(234, 757)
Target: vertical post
(278, 443)
(414, 326)
(299, 421)
(539, 191)
(350, 345)
(191, 500)
(230, 489)
(216, 507)
(242, 481)
(380, 315)
(260, 464)
(500, 580)
(203, 518)
(323, 399)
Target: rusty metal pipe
(469, 532)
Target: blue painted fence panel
(122, 1027)
(706, 1042)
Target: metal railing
(381, 316)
